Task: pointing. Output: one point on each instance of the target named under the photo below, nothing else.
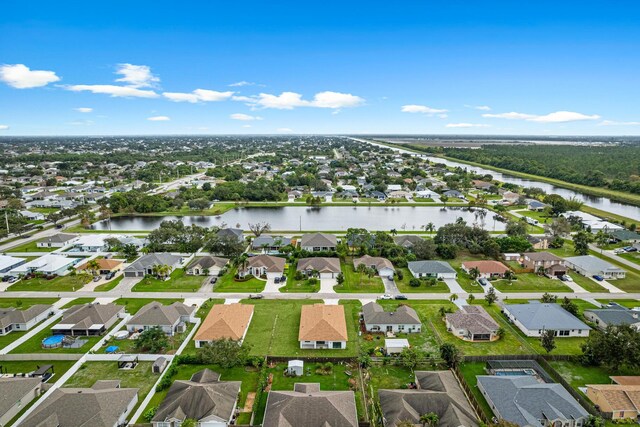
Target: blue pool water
(53, 340)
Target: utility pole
(6, 219)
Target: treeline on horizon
(613, 167)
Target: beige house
(322, 327)
(16, 394)
(621, 400)
(264, 265)
(225, 321)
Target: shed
(295, 368)
(159, 365)
(395, 346)
(128, 361)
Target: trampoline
(112, 349)
(53, 341)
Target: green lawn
(68, 283)
(133, 305)
(586, 283)
(228, 283)
(30, 247)
(579, 376)
(34, 345)
(274, 329)
(469, 371)
(631, 256)
(293, 285)
(78, 301)
(128, 346)
(179, 281)
(530, 282)
(23, 303)
(141, 377)
(630, 303)
(404, 287)
(110, 284)
(357, 282)
(248, 375)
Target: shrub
(414, 282)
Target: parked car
(386, 296)
(110, 275)
(598, 278)
(59, 226)
(401, 297)
(256, 296)
(283, 279)
(619, 251)
(276, 280)
(566, 278)
(630, 249)
(96, 278)
(12, 279)
(213, 280)
(483, 281)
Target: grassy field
(403, 285)
(133, 305)
(530, 282)
(579, 376)
(294, 285)
(23, 303)
(110, 284)
(228, 283)
(179, 281)
(78, 301)
(68, 283)
(274, 329)
(141, 377)
(357, 282)
(631, 256)
(249, 377)
(30, 247)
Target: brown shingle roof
(103, 264)
(323, 265)
(619, 397)
(486, 267)
(626, 380)
(225, 321)
(320, 322)
(272, 263)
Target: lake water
(329, 218)
(601, 203)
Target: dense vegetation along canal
(328, 218)
(601, 203)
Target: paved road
(615, 257)
(37, 236)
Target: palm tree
(361, 269)
(161, 271)
(474, 273)
(430, 419)
(509, 275)
(540, 271)
(93, 267)
(453, 297)
(430, 227)
(393, 232)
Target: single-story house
(435, 269)
(9, 263)
(57, 240)
(615, 315)
(264, 265)
(525, 401)
(510, 198)
(472, 323)
(327, 268)
(403, 319)
(105, 266)
(88, 319)
(269, 244)
(407, 240)
(455, 194)
(536, 317)
(17, 393)
(144, 265)
(536, 205)
(12, 319)
(307, 405)
(481, 185)
(624, 235)
(92, 243)
(436, 391)
(49, 264)
(511, 256)
(618, 401)
(203, 398)
(395, 345)
(105, 404)
(231, 233)
(32, 216)
(206, 265)
(381, 265)
(487, 269)
(225, 321)
(322, 327)
(318, 242)
(171, 318)
(551, 264)
(589, 265)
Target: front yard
(357, 282)
(304, 285)
(530, 282)
(68, 283)
(179, 281)
(133, 305)
(228, 283)
(425, 287)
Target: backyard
(68, 283)
(178, 281)
(133, 305)
(30, 247)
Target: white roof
(396, 342)
(46, 263)
(8, 261)
(92, 240)
(296, 363)
(511, 254)
(394, 187)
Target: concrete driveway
(272, 286)
(326, 286)
(607, 285)
(390, 286)
(454, 286)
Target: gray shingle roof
(430, 267)
(58, 238)
(323, 265)
(149, 260)
(614, 316)
(545, 316)
(12, 390)
(474, 319)
(11, 316)
(318, 240)
(591, 263)
(404, 315)
(157, 314)
(523, 400)
(208, 262)
(84, 315)
(268, 240)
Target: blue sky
(137, 67)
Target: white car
(386, 296)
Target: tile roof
(486, 267)
(225, 321)
(323, 265)
(320, 322)
(157, 314)
(473, 318)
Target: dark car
(256, 296)
(598, 278)
(110, 275)
(59, 226)
(401, 297)
(276, 280)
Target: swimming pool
(515, 372)
(53, 341)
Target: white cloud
(4, 127)
(413, 108)
(443, 116)
(284, 130)
(81, 122)
(244, 117)
(198, 95)
(291, 100)
(83, 109)
(20, 76)
(614, 123)
(136, 75)
(159, 119)
(241, 83)
(114, 91)
(479, 107)
(466, 125)
(555, 117)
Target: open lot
(179, 281)
(530, 282)
(358, 282)
(30, 247)
(68, 283)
